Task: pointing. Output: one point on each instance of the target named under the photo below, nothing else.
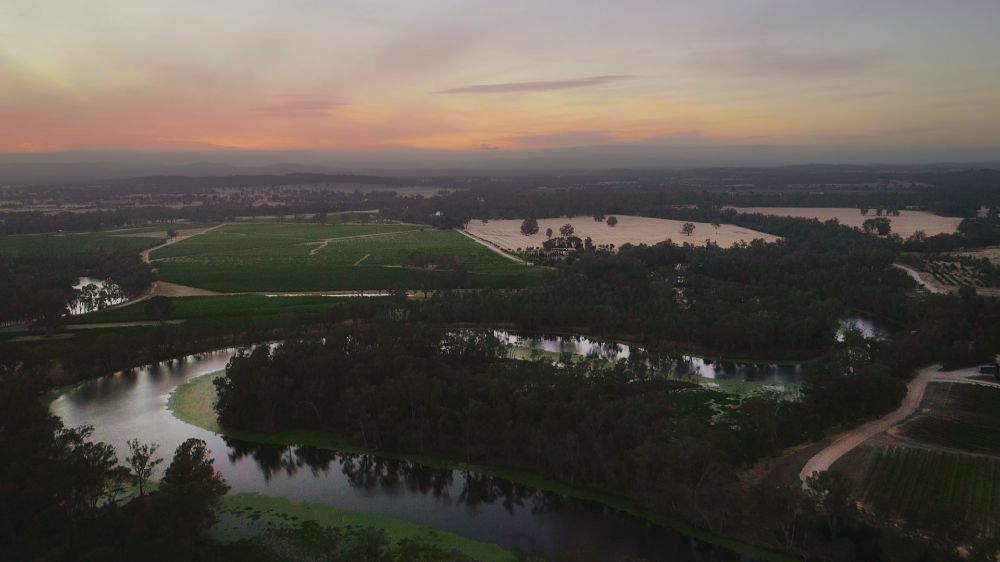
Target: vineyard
(260, 257)
(956, 273)
(963, 416)
(73, 245)
(928, 486)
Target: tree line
(671, 447)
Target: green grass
(194, 401)
(250, 508)
(266, 257)
(964, 416)
(928, 485)
(73, 245)
(160, 227)
(240, 306)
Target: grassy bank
(193, 403)
(243, 513)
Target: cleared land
(904, 225)
(271, 257)
(931, 485)
(963, 416)
(629, 230)
(74, 245)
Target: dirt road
(186, 234)
(918, 278)
(492, 247)
(914, 395)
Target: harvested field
(629, 230)
(926, 486)
(904, 225)
(963, 416)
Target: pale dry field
(905, 224)
(632, 230)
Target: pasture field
(931, 484)
(267, 257)
(962, 416)
(74, 245)
(190, 308)
(631, 230)
(904, 225)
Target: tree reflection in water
(393, 476)
(272, 459)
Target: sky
(499, 76)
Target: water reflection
(472, 505)
(679, 364)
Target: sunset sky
(471, 75)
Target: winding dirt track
(914, 395)
(918, 278)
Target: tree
(612, 221)
(319, 218)
(191, 489)
(529, 227)
(142, 463)
(881, 225)
(160, 308)
(830, 492)
(864, 211)
(918, 237)
(548, 232)
(44, 309)
(485, 220)
(716, 225)
(171, 234)
(599, 218)
(687, 228)
(566, 229)
(299, 219)
(365, 218)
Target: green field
(282, 257)
(963, 416)
(238, 306)
(73, 245)
(929, 485)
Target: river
(476, 506)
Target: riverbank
(253, 513)
(193, 403)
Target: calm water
(477, 506)
(688, 363)
(79, 307)
(708, 368)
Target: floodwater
(611, 351)
(477, 506)
(708, 368)
(82, 307)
